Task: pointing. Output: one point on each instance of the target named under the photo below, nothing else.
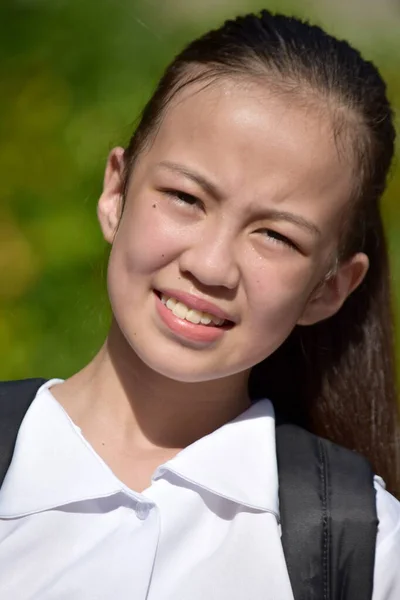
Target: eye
(184, 198)
(277, 238)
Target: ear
(110, 202)
(331, 294)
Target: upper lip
(197, 303)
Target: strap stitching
(326, 534)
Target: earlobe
(330, 295)
(110, 202)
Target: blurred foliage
(74, 76)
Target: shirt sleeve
(387, 558)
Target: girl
(248, 265)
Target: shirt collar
(237, 462)
(53, 465)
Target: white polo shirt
(206, 528)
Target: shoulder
(387, 560)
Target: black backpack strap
(328, 517)
(15, 399)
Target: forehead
(255, 141)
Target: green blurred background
(74, 76)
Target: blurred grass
(74, 77)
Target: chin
(181, 361)
(189, 370)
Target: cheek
(277, 295)
(146, 241)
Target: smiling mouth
(192, 315)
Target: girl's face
(234, 209)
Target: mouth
(192, 315)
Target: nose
(211, 259)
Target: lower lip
(183, 328)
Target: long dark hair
(336, 378)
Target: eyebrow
(282, 215)
(213, 190)
(202, 181)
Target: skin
(201, 216)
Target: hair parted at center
(337, 377)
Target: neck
(120, 395)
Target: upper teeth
(190, 314)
